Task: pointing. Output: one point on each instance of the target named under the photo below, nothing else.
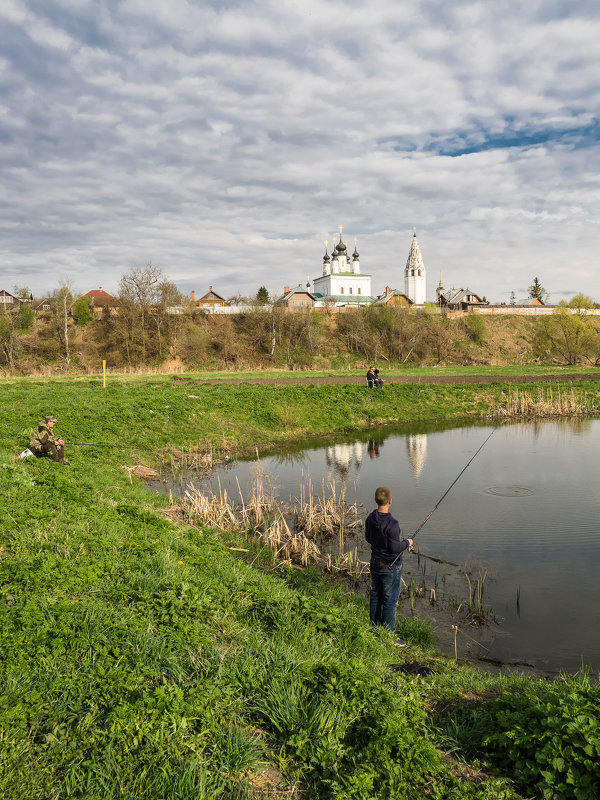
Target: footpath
(416, 379)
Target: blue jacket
(383, 533)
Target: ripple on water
(510, 491)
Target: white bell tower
(415, 283)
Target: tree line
(156, 326)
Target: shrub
(550, 738)
(477, 328)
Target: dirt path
(415, 379)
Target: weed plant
(140, 659)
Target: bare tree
(62, 298)
(145, 294)
(9, 336)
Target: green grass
(144, 659)
(388, 371)
(158, 413)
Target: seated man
(43, 442)
(373, 378)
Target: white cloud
(226, 141)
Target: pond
(523, 520)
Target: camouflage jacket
(41, 438)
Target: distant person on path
(373, 378)
(44, 442)
(383, 533)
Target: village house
(458, 299)
(296, 299)
(8, 301)
(393, 297)
(102, 302)
(42, 306)
(210, 301)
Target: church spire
(415, 287)
(415, 259)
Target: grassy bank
(161, 413)
(143, 659)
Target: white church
(343, 284)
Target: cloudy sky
(224, 141)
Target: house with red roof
(102, 302)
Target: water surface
(524, 514)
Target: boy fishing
(383, 533)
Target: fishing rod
(117, 446)
(464, 469)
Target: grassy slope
(157, 412)
(140, 659)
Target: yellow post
(455, 629)
(104, 374)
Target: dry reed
(548, 403)
(261, 517)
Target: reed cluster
(549, 402)
(327, 515)
(298, 531)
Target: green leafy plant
(550, 737)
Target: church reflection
(345, 459)
(416, 446)
(342, 458)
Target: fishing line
(117, 446)
(446, 492)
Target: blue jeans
(386, 583)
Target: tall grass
(551, 401)
(293, 531)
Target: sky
(225, 141)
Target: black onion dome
(340, 247)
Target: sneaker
(399, 642)
(65, 462)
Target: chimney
(210, 288)
(387, 290)
(286, 290)
(193, 296)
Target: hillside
(277, 339)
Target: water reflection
(295, 457)
(341, 457)
(416, 445)
(346, 458)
